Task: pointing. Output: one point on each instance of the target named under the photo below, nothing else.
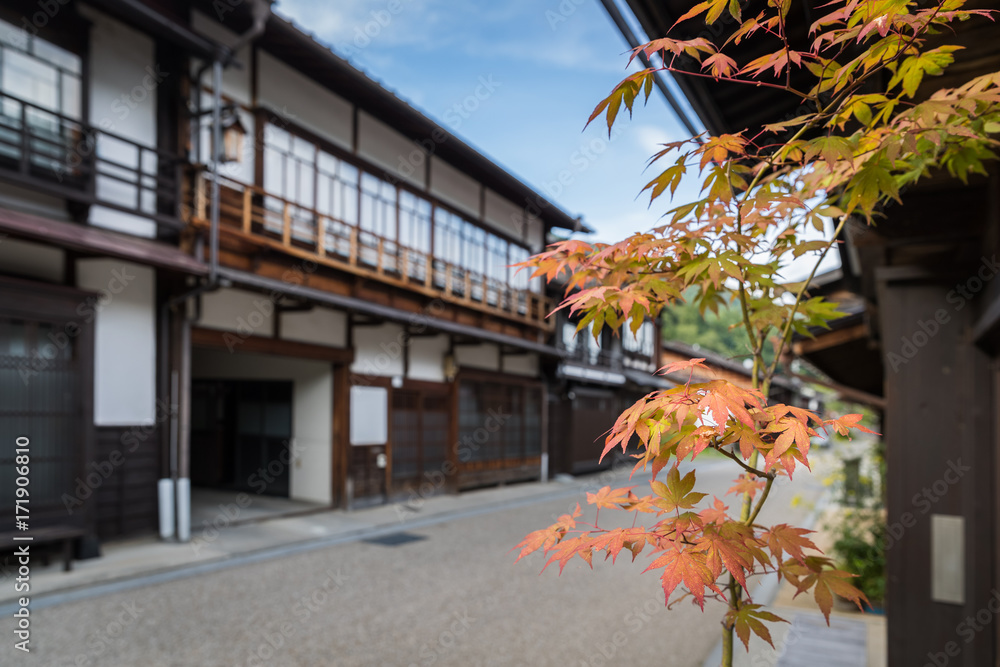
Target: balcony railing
(255, 215)
(64, 157)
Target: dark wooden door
(368, 470)
(420, 421)
(40, 398)
(240, 435)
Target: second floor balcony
(365, 226)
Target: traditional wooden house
(923, 334)
(229, 259)
(596, 380)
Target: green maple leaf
(749, 618)
(676, 493)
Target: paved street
(451, 597)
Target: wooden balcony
(253, 215)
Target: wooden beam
(846, 392)
(831, 339)
(235, 342)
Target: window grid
(319, 184)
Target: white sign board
(369, 415)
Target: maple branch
(749, 469)
(785, 332)
(760, 503)
(730, 79)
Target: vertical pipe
(216, 151)
(184, 441)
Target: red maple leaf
(688, 567)
(783, 539)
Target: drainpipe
(174, 493)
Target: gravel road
(452, 597)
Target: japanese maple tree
(874, 126)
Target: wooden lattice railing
(262, 218)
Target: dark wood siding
(126, 498)
(939, 402)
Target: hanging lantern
(233, 136)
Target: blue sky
(549, 63)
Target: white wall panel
(302, 100)
(246, 313)
(378, 350)
(454, 187)
(125, 340)
(485, 356)
(390, 150)
(521, 364)
(124, 76)
(427, 358)
(320, 326)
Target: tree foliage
(876, 126)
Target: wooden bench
(46, 535)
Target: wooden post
(247, 209)
(199, 198)
(286, 229)
(380, 262)
(321, 235)
(404, 265)
(354, 246)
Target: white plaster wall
(505, 215)
(427, 358)
(302, 100)
(235, 80)
(125, 340)
(32, 260)
(312, 410)
(521, 364)
(535, 235)
(122, 92)
(320, 326)
(378, 350)
(485, 356)
(247, 313)
(389, 149)
(454, 187)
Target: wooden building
(229, 259)
(923, 334)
